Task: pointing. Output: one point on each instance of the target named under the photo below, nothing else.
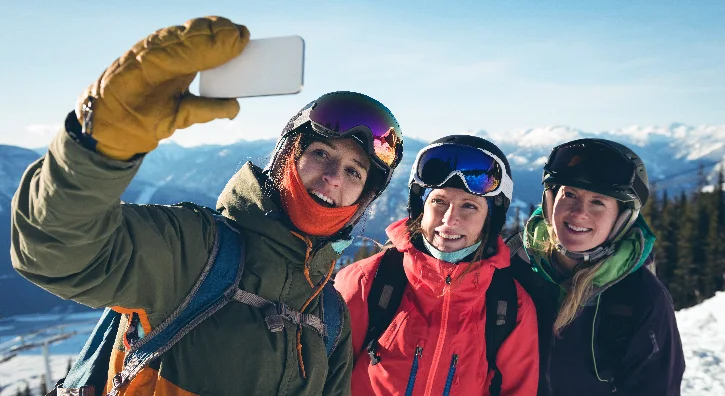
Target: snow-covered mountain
(171, 173)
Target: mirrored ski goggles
(347, 114)
(591, 162)
(482, 172)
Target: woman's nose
(333, 174)
(578, 209)
(450, 217)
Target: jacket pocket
(390, 335)
(413, 371)
(451, 375)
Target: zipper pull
(448, 279)
(418, 351)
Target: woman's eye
(436, 201)
(354, 173)
(569, 194)
(320, 153)
(598, 202)
(470, 206)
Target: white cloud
(45, 131)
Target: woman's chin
(576, 246)
(448, 246)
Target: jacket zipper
(413, 371)
(451, 373)
(441, 338)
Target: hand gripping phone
(268, 66)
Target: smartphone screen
(268, 66)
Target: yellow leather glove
(144, 97)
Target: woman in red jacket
(436, 341)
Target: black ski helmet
(601, 166)
(498, 204)
(362, 118)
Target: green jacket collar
(249, 200)
(630, 252)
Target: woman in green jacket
(72, 236)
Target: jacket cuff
(75, 152)
(75, 130)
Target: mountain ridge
(172, 174)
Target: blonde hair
(580, 290)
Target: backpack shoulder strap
(214, 289)
(514, 243)
(331, 314)
(501, 313)
(90, 369)
(384, 299)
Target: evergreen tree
(684, 289)
(700, 246)
(43, 387)
(365, 251)
(70, 362)
(516, 227)
(716, 234)
(666, 246)
(713, 272)
(26, 391)
(649, 211)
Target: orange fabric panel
(145, 324)
(165, 387)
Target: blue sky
(441, 67)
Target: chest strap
(276, 313)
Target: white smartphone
(268, 66)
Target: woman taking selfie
(437, 313)
(227, 302)
(606, 323)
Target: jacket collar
(249, 200)
(425, 272)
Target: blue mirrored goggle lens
(481, 172)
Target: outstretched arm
(70, 233)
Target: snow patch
(702, 328)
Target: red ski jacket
(435, 344)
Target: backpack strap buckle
(372, 349)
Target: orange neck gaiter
(306, 214)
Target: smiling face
(453, 219)
(334, 171)
(583, 219)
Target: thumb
(196, 109)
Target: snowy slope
(703, 339)
(702, 328)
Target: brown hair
(293, 150)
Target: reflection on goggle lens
(480, 171)
(348, 113)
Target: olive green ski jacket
(72, 236)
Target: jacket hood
(249, 200)
(424, 269)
